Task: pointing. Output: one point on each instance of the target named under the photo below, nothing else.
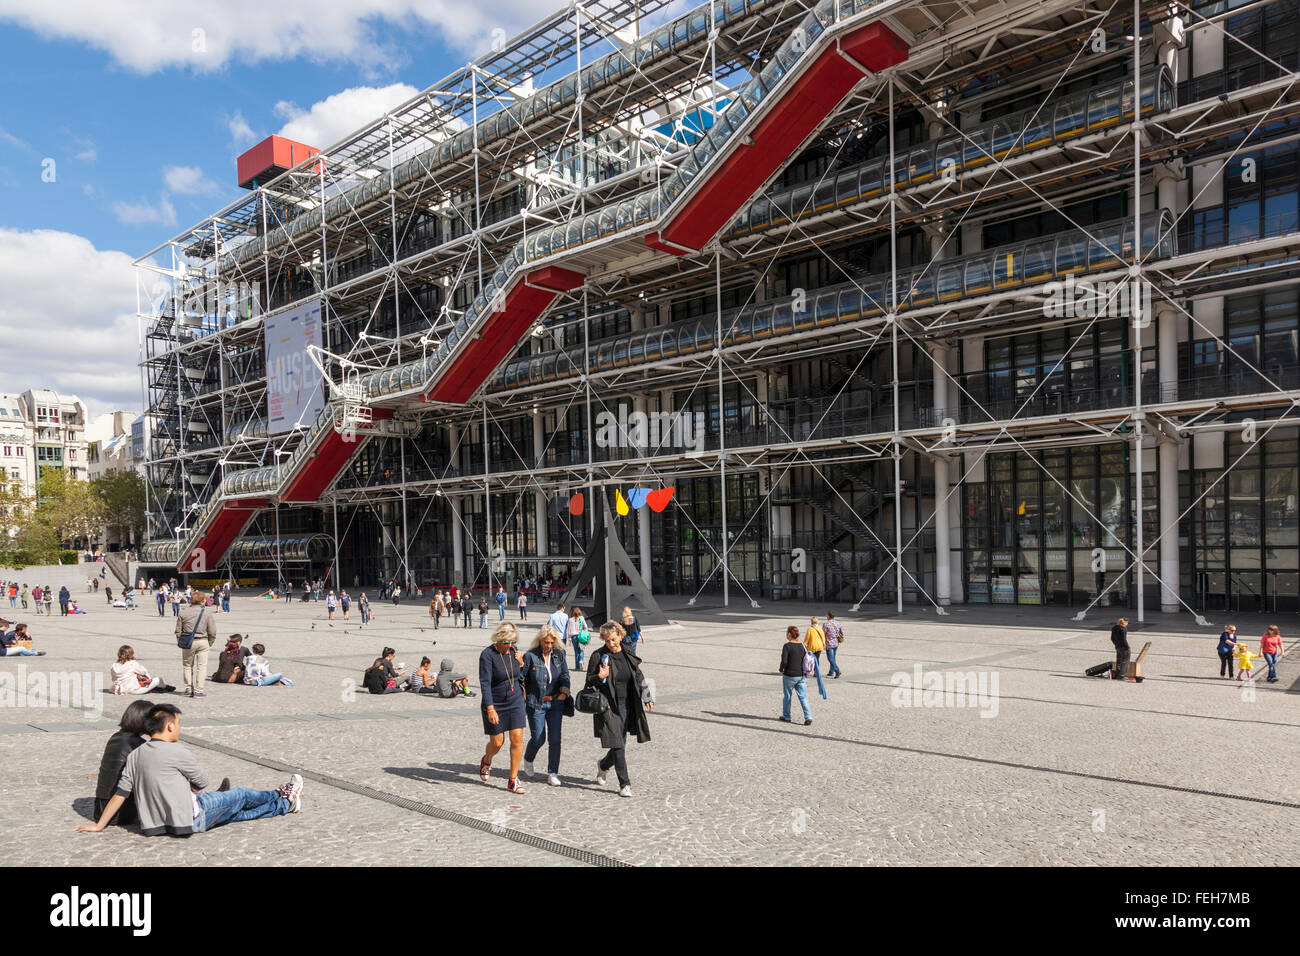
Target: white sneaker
(600, 775)
(553, 779)
(528, 768)
(292, 791)
(626, 791)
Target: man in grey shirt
(194, 661)
(169, 787)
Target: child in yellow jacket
(1244, 658)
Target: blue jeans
(501, 612)
(539, 723)
(225, 605)
(800, 686)
(240, 803)
(1272, 665)
(577, 652)
(270, 679)
(482, 619)
(830, 659)
(162, 609)
(16, 651)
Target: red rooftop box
(270, 158)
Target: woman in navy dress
(501, 684)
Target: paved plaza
(1182, 769)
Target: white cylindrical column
(1167, 461)
(942, 545)
(457, 519)
(539, 496)
(639, 404)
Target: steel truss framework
(610, 144)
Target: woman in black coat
(130, 735)
(616, 672)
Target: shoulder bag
(185, 640)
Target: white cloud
(206, 35)
(12, 140)
(334, 117)
(188, 181)
(241, 134)
(88, 155)
(145, 213)
(69, 310)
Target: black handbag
(591, 701)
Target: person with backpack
(576, 631)
(196, 632)
(794, 675)
(345, 603)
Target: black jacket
(1119, 636)
(116, 751)
(792, 653)
(609, 726)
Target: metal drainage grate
(451, 816)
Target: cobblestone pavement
(1182, 769)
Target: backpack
(809, 664)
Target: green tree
(69, 507)
(122, 497)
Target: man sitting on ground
(9, 646)
(170, 791)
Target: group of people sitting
(385, 677)
(16, 643)
(237, 664)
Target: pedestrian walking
(1227, 644)
(501, 603)
(522, 604)
(47, 594)
(64, 597)
(160, 598)
(467, 608)
(794, 675)
(815, 640)
(501, 683)
(331, 604)
(577, 633)
(1270, 645)
(616, 673)
(364, 603)
(24, 596)
(435, 609)
(345, 603)
(834, 634)
(633, 628)
(482, 612)
(547, 700)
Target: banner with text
(295, 392)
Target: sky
(119, 129)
